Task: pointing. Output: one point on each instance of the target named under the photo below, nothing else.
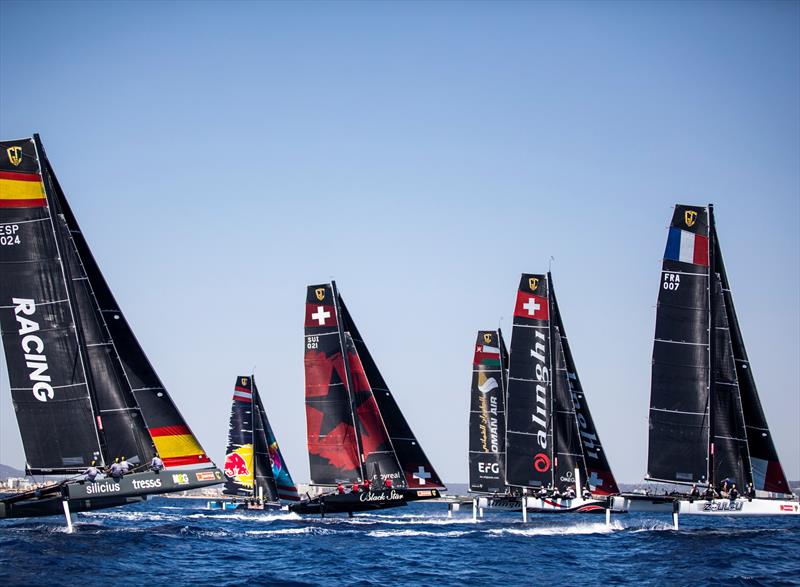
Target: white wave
(410, 521)
(399, 533)
(593, 528)
(248, 517)
(293, 531)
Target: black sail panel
(679, 418)
(170, 435)
(264, 481)
(239, 467)
(378, 456)
(46, 372)
(332, 448)
(529, 442)
(597, 471)
(729, 454)
(417, 468)
(285, 486)
(567, 451)
(487, 418)
(767, 473)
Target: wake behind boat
(356, 432)
(707, 426)
(84, 391)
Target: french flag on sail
(686, 247)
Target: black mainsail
(487, 417)
(706, 419)
(550, 432)
(83, 389)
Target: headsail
(487, 418)
(418, 472)
(82, 387)
(284, 485)
(585, 441)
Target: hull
(84, 496)
(349, 503)
(648, 503)
(561, 506)
(740, 507)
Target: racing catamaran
(707, 426)
(83, 389)
(356, 432)
(256, 474)
(552, 445)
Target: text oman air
(33, 347)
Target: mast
(553, 367)
(712, 322)
(349, 379)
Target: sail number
(8, 234)
(671, 281)
(312, 342)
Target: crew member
(340, 489)
(586, 493)
(709, 493)
(542, 493)
(569, 493)
(156, 464)
(356, 488)
(126, 466)
(750, 492)
(733, 494)
(365, 485)
(723, 490)
(116, 471)
(695, 492)
(92, 472)
(387, 483)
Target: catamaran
(356, 431)
(83, 389)
(552, 446)
(256, 474)
(707, 426)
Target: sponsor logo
(488, 385)
(381, 496)
(541, 462)
(723, 506)
(426, 493)
(542, 381)
(93, 488)
(244, 381)
(237, 465)
(320, 293)
(206, 476)
(151, 483)
(180, 479)
(14, 155)
(487, 337)
(33, 347)
(690, 217)
(788, 507)
(533, 282)
(488, 467)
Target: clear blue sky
(222, 156)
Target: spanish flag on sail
(21, 190)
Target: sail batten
(706, 420)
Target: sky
(220, 157)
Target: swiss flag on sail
(531, 306)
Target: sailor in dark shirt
(340, 489)
(709, 494)
(750, 492)
(733, 494)
(695, 492)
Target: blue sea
(177, 542)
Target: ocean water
(177, 542)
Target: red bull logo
(239, 465)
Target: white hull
(739, 507)
(714, 507)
